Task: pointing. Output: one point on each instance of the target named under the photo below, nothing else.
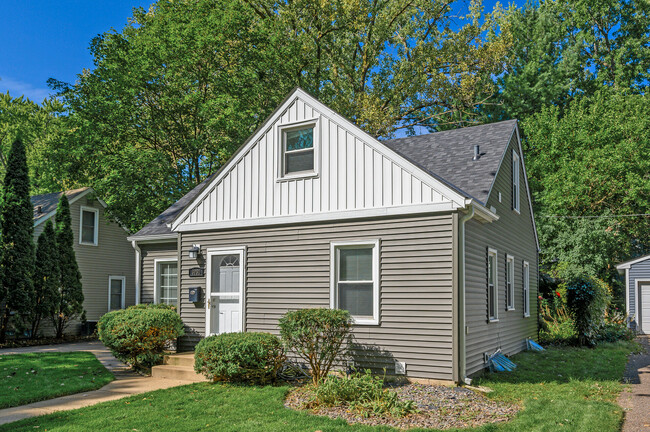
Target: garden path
(126, 383)
(635, 400)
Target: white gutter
(462, 330)
(137, 270)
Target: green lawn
(561, 389)
(26, 378)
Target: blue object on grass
(500, 363)
(532, 345)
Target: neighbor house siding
(512, 234)
(149, 253)
(640, 270)
(113, 256)
(289, 268)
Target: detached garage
(637, 292)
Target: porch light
(195, 250)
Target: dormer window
(298, 149)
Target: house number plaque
(197, 272)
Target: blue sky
(49, 39)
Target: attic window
(515, 181)
(88, 226)
(298, 149)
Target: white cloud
(17, 88)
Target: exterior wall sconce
(194, 251)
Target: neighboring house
(428, 241)
(104, 255)
(637, 292)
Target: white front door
(225, 292)
(644, 307)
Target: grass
(26, 378)
(561, 389)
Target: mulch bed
(440, 407)
(19, 343)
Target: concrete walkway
(636, 399)
(126, 383)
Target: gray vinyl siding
(289, 268)
(640, 270)
(512, 234)
(149, 253)
(113, 256)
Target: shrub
(318, 336)
(556, 326)
(252, 357)
(587, 300)
(138, 335)
(361, 392)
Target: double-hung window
(166, 290)
(510, 282)
(298, 150)
(355, 280)
(492, 286)
(515, 181)
(116, 292)
(88, 226)
(526, 285)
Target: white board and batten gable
(354, 176)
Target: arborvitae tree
(17, 230)
(70, 301)
(47, 278)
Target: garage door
(644, 289)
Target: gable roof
(159, 226)
(448, 155)
(49, 201)
(626, 264)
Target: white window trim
(82, 209)
(123, 299)
(495, 300)
(526, 288)
(516, 200)
(241, 250)
(280, 130)
(375, 275)
(156, 263)
(510, 290)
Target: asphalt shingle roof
(48, 202)
(448, 155)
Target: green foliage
(69, 304)
(153, 306)
(361, 392)
(47, 277)
(17, 230)
(587, 300)
(318, 336)
(138, 336)
(240, 357)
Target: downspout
(137, 270)
(462, 330)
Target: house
(104, 255)
(429, 241)
(637, 292)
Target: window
(116, 292)
(298, 149)
(510, 282)
(526, 277)
(355, 280)
(88, 226)
(493, 288)
(515, 181)
(166, 289)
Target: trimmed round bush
(318, 336)
(240, 357)
(138, 335)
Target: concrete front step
(181, 373)
(185, 359)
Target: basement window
(355, 280)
